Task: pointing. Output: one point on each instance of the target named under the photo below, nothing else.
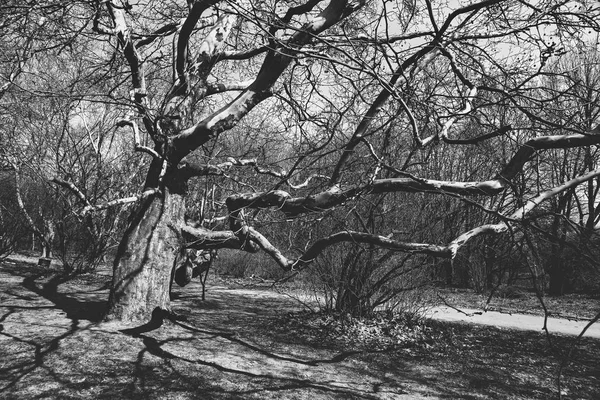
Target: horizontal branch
(191, 169)
(242, 55)
(332, 197)
(442, 251)
(203, 239)
(116, 202)
(335, 195)
(379, 241)
(166, 30)
(527, 150)
(216, 87)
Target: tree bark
(145, 258)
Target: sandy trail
(523, 322)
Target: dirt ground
(236, 345)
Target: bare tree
(354, 101)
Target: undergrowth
(381, 331)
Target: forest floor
(250, 342)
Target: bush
(347, 279)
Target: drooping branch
(444, 251)
(89, 207)
(366, 238)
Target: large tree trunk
(145, 258)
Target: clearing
(244, 343)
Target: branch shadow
(275, 383)
(75, 309)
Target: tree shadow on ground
(230, 347)
(36, 281)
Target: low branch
(367, 238)
(447, 251)
(521, 213)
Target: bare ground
(244, 344)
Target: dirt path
(232, 346)
(52, 345)
(522, 322)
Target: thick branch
(187, 28)
(202, 239)
(447, 251)
(276, 61)
(367, 238)
(335, 196)
(527, 150)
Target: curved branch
(443, 251)
(71, 186)
(275, 63)
(381, 241)
(196, 11)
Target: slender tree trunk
(145, 258)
